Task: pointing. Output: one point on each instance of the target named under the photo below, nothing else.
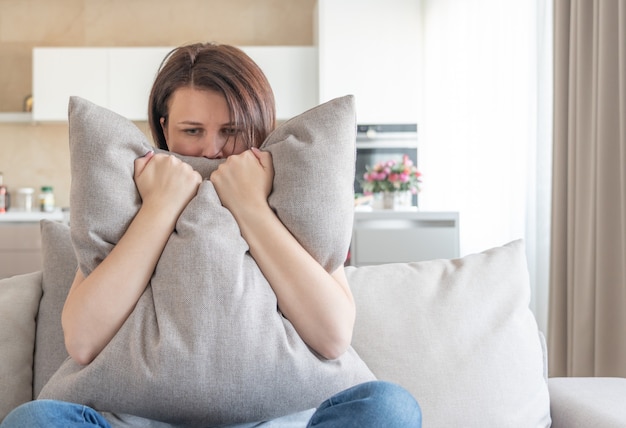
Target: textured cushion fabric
(588, 402)
(458, 334)
(206, 344)
(59, 267)
(19, 301)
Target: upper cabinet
(120, 78)
(292, 73)
(116, 78)
(58, 73)
(131, 74)
(372, 49)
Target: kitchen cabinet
(117, 78)
(61, 72)
(20, 249)
(131, 74)
(394, 236)
(20, 241)
(120, 79)
(371, 49)
(292, 73)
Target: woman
(213, 101)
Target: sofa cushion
(19, 301)
(582, 402)
(206, 343)
(458, 334)
(59, 267)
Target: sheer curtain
(485, 131)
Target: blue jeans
(372, 404)
(51, 413)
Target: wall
(37, 154)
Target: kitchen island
(403, 235)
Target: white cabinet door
(131, 75)
(292, 73)
(371, 49)
(62, 72)
(116, 78)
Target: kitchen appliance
(382, 142)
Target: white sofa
(458, 334)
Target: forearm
(318, 304)
(98, 305)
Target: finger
(265, 158)
(140, 163)
(256, 152)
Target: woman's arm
(98, 305)
(318, 304)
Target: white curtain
(485, 130)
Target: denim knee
(394, 404)
(371, 404)
(52, 413)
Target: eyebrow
(194, 123)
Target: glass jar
(25, 199)
(46, 199)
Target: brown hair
(221, 68)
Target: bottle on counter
(46, 199)
(5, 197)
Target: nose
(213, 147)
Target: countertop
(16, 216)
(365, 212)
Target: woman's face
(198, 124)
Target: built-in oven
(383, 142)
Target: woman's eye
(230, 131)
(192, 131)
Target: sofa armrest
(19, 304)
(588, 402)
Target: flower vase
(389, 199)
(377, 201)
(392, 200)
(382, 200)
(402, 199)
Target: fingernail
(148, 152)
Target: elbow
(82, 359)
(336, 338)
(80, 353)
(332, 353)
(335, 346)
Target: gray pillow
(206, 344)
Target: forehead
(187, 103)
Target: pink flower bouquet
(392, 176)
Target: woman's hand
(164, 181)
(244, 181)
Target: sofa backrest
(19, 304)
